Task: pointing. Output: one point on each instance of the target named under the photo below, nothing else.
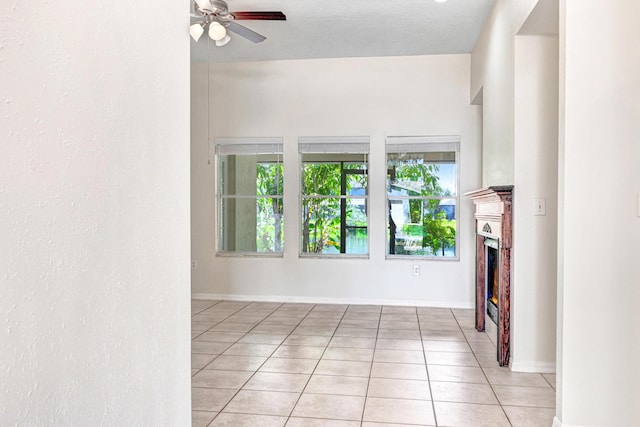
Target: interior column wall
(600, 379)
(536, 177)
(94, 202)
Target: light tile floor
(264, 364)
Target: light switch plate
(539, 207)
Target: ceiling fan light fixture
(196, 31)
(226, 39)
(216, 31)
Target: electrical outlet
(416, 270)
(194, 264)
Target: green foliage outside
(321, 215)
(269, 182)
(427, 220)
(321, 218)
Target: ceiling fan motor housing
(214, 7)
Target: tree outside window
(422, 202)
(334, 201)
(250, 202)
(270, 209)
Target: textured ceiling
(352, 28)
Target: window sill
(333, 256)
(422, 258)
(249, 255)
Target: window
(422, 196)
(334, 195)
(249, 197)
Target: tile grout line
(245, 334)
(207, 330)
(267, 359)
(216, 323)
(217, 355)
(206, 308)
(549, 382)
(317, 363)
(426, 366)
(373, 356)
(482, 370)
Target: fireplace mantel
(494, 221)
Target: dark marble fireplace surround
(493, 215)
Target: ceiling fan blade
(261, 16)
(245, 32)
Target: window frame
(239, 146)
(336, 146)
(422, 144)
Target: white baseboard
(558, 423)
(319, 300)
(532, 366)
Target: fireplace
(493, 263)
(492, 277)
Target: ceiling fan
(215, 14)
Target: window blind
(421, 144)
(334, 145)
(230, 146)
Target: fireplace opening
(492, 278)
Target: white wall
(535, 177)
(373, 97)
(600, 379)
(94, 202)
